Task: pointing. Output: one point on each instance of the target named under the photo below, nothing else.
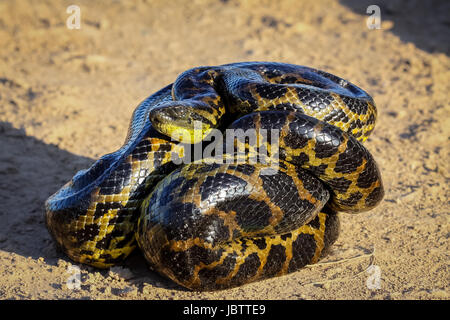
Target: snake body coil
(212, 225)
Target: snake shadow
(31, 171)
(426, 24)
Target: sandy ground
(66, 97)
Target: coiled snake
(211, 225)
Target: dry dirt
(66, 96)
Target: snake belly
(209, 225)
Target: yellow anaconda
(224, 220)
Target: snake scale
(210, 225)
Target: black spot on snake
(251, 215)
(210, 276)
(275, 260)
(352, 200)
(89, 233)
(349, 160)
(368, 176)
(331, 229)
(300, 160)
(318, 170)
(208, 189)
(270, 92)
(260, 243)
(247, 270)
(340, 184)
(283, 192)
(357, 106)
(303, 250)
(315, 223)
(374, 197)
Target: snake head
(183, 121)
